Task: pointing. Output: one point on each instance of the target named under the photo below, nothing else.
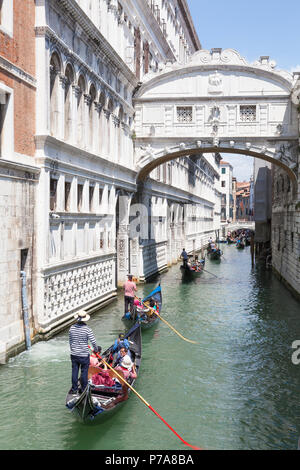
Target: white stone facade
(286, 218)
(217, 102)
(90, 57)
(226, 190)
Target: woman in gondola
(126, 365)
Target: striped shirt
(79, 336)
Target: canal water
(236, 389)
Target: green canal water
(236, 389)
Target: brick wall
(17, 178)
(20, 50)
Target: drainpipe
(25, 310)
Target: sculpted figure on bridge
(287, 153)
(215, 84)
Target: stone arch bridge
(218, 103)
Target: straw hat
(82, 316)
(127, 362)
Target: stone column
(62, 82)
(123, 263)
(97, 127)
(75, 95)
(43, 84)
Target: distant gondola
(145, 316)
(240, 245)
(100, 401)
(193, 268)
(214, 254)
(230, 241)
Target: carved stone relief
(287, 153)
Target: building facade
(227, 191)
(234, 183)
(91, 58)
(285, 228)
(262, 202)
(243, 201)
(18, 172)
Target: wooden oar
(170, 326)
(145, 402)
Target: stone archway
(284, 155)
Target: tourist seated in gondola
(138, 302)
(120, 343)
(138, 308)
(94, 360)
(153, 306)
(126, 365)
(118, 357)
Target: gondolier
(129, 293)
(185, 257)
(101, 398)
(79, 336)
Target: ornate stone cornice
(147, 12)
(107, 113)
(87, 99)
(116, 120)
(189, 23)
(17, 72)
(219, 60)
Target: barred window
(184, 114)
(248, 113)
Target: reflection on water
(236, 389)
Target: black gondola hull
(96, 404)
(215, 255)
(147, 322)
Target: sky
(254, 28)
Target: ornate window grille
(248, 113)
(184, 114)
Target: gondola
(98, 402)
(240, 245)
(214, 254)
(230, 241)
(193, 268)
(144, 316)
